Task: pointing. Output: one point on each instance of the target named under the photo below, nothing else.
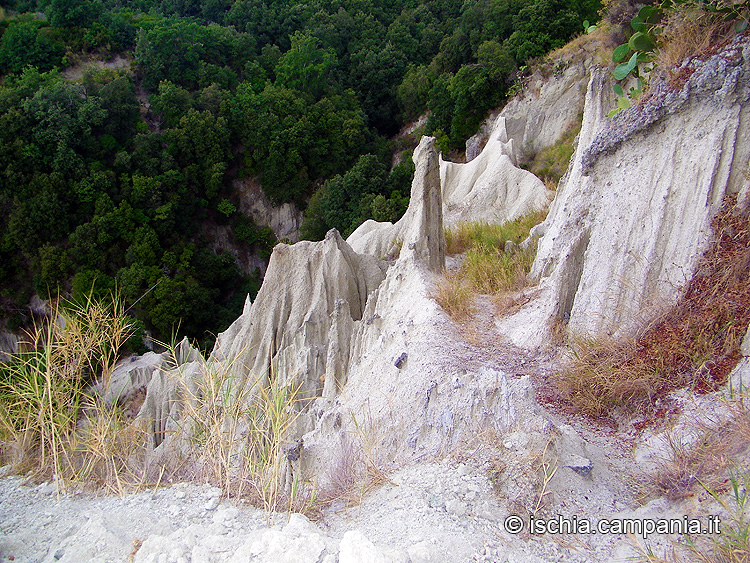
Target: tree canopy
(128, 179)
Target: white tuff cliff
(632, 216)
(392, 382)
(491, 187)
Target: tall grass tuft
(487, 268)
(49, 423)
(239, 429)
(468, 235)
(454, 295)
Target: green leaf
(623, 69)
(637, 24)
(640, 42)
(740, 26)
(620, 53)
(618, 90)
(650, 14)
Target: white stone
(356, 548)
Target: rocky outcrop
(405, 374)
(8, 345)
(548, 106)
(478, 140)
(284, 219)
(401, 371)
(491, 187)
(221, 238)
(632, 216)
(308, 287)
(130, 376)
(420, 231)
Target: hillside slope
(446, 431)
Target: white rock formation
(631, 219)
(420, 230)
(284, 219)
(548, 106)
(130, 375)
(491, 187)
(168, 379)
(308, 287)
(402, 374)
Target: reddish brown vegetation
(695, 344)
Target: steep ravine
(453, 425)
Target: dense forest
(114, 181)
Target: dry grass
(470, 235)
(353, 471)
(694, 345)
(237, 433)
(351, 477)
(486, 269)
(689, 32)
(731, 545)
(49, 423)
(234, 432)
(704, 462)
(492, 271)
(521, 478)
(454, 296)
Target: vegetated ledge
(715, 78)
(695, 344)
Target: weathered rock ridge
(310, 290)
(357, 336)
(420, 230)
(632, 216)
(491, 187)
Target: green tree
(52, 270)
(74, 13)
(306, 66)
(172, 102)
(201, 143)
(24, 44)
(174, 50)
(414, 92)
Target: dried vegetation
(487, 269)
(694, 345)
